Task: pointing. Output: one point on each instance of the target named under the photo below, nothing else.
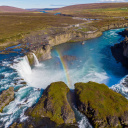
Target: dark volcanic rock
(102, 106)
(40, 123)
(124, 33)
(120, 52)
(52, 110)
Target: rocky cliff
(72, 36)
(42, 53)
(120, 50)
(52, 110)
(6, 97)
(114, 26)
(43, 50)
(103, 107)
(59, 36)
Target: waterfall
(36, 60)
(122, 87)
(23, 67)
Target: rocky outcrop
(6, 97)
(72, 36)
(125, 47)
(57, 37)
(42, 53)
(114, 26)
(102, 106)
(120, 50)
(54, 105)
(52, 110)
(124, 33)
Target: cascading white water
(81, 119)
(23, 67)
(122, 87)
(36, 62)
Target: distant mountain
(11, 9)
(41, 9)
(92, 6)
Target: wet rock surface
(120, 50)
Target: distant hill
(95, 10)
(41, 9)
(11, 9)
(93, 6)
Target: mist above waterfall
(94, 62)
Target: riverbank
(64, 36)
(94, 58)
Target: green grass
(102, 99)
(51, 103)
(14, 26)
(99, 10)
(83, 29)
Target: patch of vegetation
(99, 10)
(54, 105)
(14, 26)
(83, 29)
(104, 101)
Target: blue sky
(50, 3)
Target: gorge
(70, 63)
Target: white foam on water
(121, 88)
(81, 119)
(24, 98)
(23, 67)
(83, 123)
(42, 76)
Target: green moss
(102, 99)
(52, 102)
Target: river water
(71, 63)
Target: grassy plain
(97, 10)
(14, 26)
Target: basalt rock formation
(102, 106)
(42, 53)
(6, 97)
(120, 50)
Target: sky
(50, 3)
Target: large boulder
(102, 106)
